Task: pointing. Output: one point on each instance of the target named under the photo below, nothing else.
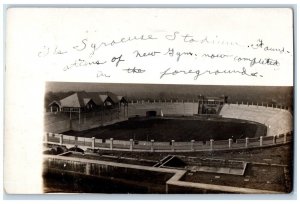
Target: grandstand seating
(278, 121)
(176, 108)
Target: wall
(153, 180)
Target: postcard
(149, 100)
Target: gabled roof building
(87, 101)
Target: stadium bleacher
(278, 121)
(176, 108)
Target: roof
(86, 101)
(99, 97)
(113, 97)
(76, 100)
(55, 101)
(103, 97)
(121, 99)
(82, 98)
(96, 98)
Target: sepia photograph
(143, 138)
(150, 101)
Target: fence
(277, 118)
(172, 146)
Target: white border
(146, 3)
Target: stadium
(198, 144)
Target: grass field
(178, 129)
